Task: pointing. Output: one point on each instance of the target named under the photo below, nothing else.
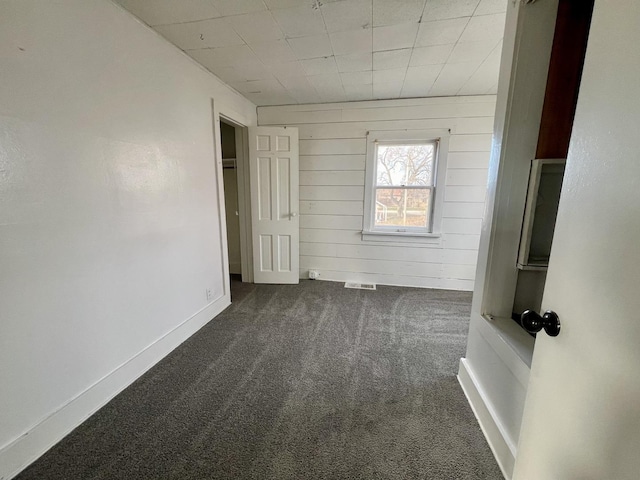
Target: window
(404, 186)
(403, 170)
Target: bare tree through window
(404, 184)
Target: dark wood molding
(563, 82)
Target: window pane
(399, 207)
(405, 164)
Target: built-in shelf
(520, 344)
(541, 209)
(229, 163)
(533, 267)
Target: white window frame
(370, 232)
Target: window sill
(402, 237)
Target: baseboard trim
(502, 447)
(27, 448)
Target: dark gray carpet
(309, 381)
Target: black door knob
(533, 323)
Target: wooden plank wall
(332, 172)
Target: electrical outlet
(209, 292)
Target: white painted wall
(110, 222)
(332, 171)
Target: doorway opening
(230, 181)
(235, 185)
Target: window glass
(401, 165)
(404, 186)
(401, 207)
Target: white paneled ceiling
(278, 52)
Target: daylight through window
(404, 186)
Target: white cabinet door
(273, 155)
(582, 412)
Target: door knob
(533, 323)
(293, 214)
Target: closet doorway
(233, 143)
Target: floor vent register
(360, 286)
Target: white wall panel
(462, 210)
(459, 126)
(433, 270)
(468, 160)
(448, 110)
(331, 193)
(110, 211)
(332, 169)
(338, 222)
(376, 252)
(455, 193)
(465, 226)
(329, 178)
(330, 236)
(458, 241)
(464, 272)
(467, 177)
(331, 207)
(388, 279)
(344, 146)
(468, 109)
(332, 162)
(473, 125)
(470, 143)
(292, 117)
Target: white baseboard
(23, 451)
(503, 449)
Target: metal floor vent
(361, 286)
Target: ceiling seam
(413, 48)
(479, 66)
(333, 51)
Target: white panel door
(582, 413)
(273, 154)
